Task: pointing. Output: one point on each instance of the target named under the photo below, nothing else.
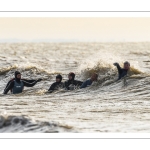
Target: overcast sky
(75, 29)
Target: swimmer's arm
(66, 85)
(83, 85)
(30, 81)
(27, 84)
(8, 84)
(52, 87)
(9, 87)
(63, 85)
(118, 67)
(79, 83)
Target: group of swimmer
(16, 85)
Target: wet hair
(72, 74)
(126, 62)
(59, 77)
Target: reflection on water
(106, 106)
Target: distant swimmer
(71, 83)
(89, 81)
(56, 85)
(122, 71)
(17, 84)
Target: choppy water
(106, 106)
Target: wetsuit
(86, 83)
(29, 81)
(56, 86)
(121, 71)
(74, 82)
(17, 86)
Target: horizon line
(73, 40)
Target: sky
(74, 29)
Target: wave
(107, 69)
(108, 74)
(23, 124)
(7, 69)
(134, 71)
(99, 68)
(26, 70)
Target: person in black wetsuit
(122, 71)
(72, 81)
(30, 81)
(16, 85)
(56, 85)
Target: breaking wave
(22, 124)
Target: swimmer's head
(126, 65)
(71, 76)
(94, 77)
(58, 78)
(17, 75)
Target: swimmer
(122, 71)
(17, 84)
(56, 85)
(89, 81)
(72, 82)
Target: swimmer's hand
(115, 64)
(49, 91)
(39, 80)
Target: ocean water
(106, 106)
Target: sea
(107, 105)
